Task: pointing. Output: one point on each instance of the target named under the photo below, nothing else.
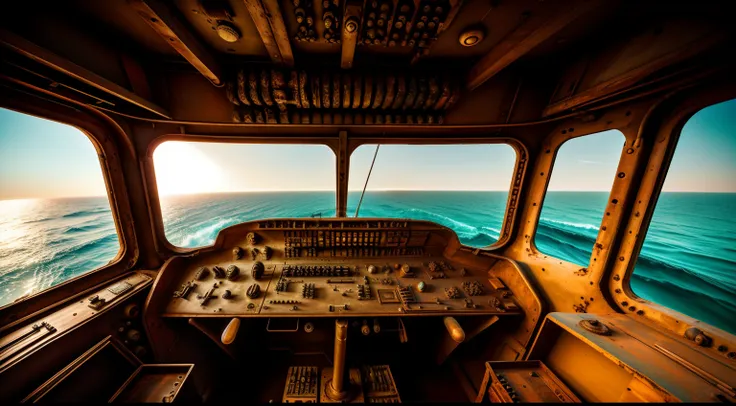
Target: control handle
(231, 331)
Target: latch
(24, 341)
(96, 303)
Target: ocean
(688, 262)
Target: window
(55, 218)
(688, 259)
(463, 187)
(205, 187)
(581, 180)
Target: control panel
(338, 267)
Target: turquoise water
(688, 261)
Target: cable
(375, 154)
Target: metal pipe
(335, 389)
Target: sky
(45, 159)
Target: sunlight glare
(183, 169)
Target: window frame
(666, 127)
(552, 146)
(102, 134)
(160, 241)
(515, 183)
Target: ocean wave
(205, 235)
(493, 230)
(570, 224)
(566, 235)
(720, 307)
(450, 220)
(82, 213)
(81, 229)
(645, 262)
(85, 247)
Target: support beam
(263, 19)
(350, 31)
(536, 29)
(343, 169)
(278, 29)
(158, 15)
(56, 62)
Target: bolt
(351, 25)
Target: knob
(267, 252)
(372, 269)
(421, 286)
(257, 270)
(237, 253)
(405, 270)
(133, 335)
(365, 329)
(227, 295)
(232, 273)
(253, 291)
(131, 311)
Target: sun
(182, 169)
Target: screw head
(351, 25)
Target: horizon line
(349, 190)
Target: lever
(456, 331)
(231, 331)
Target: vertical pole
(343, 166)
(335, 389)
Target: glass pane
(55, 218)
(205, 187)
(688, 260)
(577, 194)
(463, 187)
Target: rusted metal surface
(674, 44)
(48, 58)
(658, 136)
(633, 347)
(280, 33)
(336, 98)
(565, 290)
(362, 110)
(532, 31)
(159, 17)
(262, 20)
(342, 161)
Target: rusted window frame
(515, 183)
(105, 136)
(663, 128)
(152, 187)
